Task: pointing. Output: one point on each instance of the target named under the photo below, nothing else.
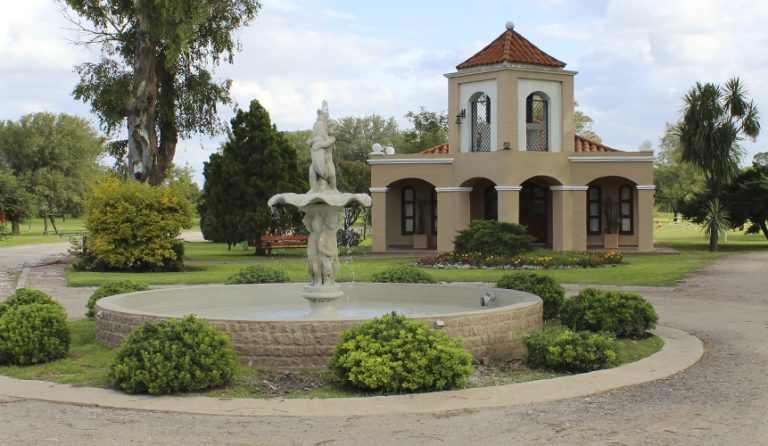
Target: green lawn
(32, 232)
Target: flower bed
(535, 260)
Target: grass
(32, 232)
(88, 363)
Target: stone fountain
(270, 325)
(321, 207)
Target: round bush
(543, 286)
(110, 289)
(173, 356)
(492, 237)
(402, 274)
(26, 296)
(33, 333)
(393, 354)
(621, 313)
(562, 349)
(257, 274)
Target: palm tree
(713, 122)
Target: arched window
(408, 210)
(537, 123)
(594, 206)
(481, 122)
(625, 210)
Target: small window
(537, 123)
(481, 122)
(409, 210)
(625, 209)
(594, 216)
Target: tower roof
(511, 47)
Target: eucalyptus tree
(714, 120)
(155, 70)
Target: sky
(635, 59)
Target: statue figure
(328, 249)
(322, 172)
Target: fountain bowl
(272, 326)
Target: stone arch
(612, 212)
(411, 214)
(484, 199)
(536, 212)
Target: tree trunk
(764, 228)
(15, 227)
(45, 224)
(53, 223)
(166, 123)
(142, 136)
(713, 241)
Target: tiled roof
(438, 149)
(511, 47)
(585, 145)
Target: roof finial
(510, 25)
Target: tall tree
(747, 199)
(429, 129)
(155, 73)
(16, 204)
(675, 181)
(255, 163)
(714, 121)
(583, 124)
(55, 158)
(356, 135)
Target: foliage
(747, 199)
(493, 237)
(393, 354)
(429, 129)
(353, 177)
(257, 274)
(347, 238)
(27, 296)
(16, 204)
(180, 180)
(675, 181)
(134, 226)
(33, 333)
(156, 59)
(545, 287)
(760, 159)
(356, 135)
(583, 124)
(536, 260)
(559, 348)
(110, 289)
(173, 356)
(255, 163)
(714, 121)
(402, 274)
(54, 157)
(623, 314)
(716, 222)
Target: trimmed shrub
(562, 349)
(621, 313)
(402, 274)
(347, 239)
(257, 274)
(394, 354)
(26, 296)
(543, 286)
(33, 333)
(133, 227)
(110, 289)
(492, 237)
(173, 356)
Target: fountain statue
(321, 206)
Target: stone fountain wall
(308, 344)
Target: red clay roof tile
(585, 145)
(438, 149)
(511, 47)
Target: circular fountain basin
(272, 326)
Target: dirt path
(721, 401)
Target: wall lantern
(461, 115)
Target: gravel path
(721, 401)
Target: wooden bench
(268, 242)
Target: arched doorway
(483, 200)
(536, 208)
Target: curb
(21, 282)
(681, 350)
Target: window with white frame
(594, 215)
(408, 210)
(625, 210)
